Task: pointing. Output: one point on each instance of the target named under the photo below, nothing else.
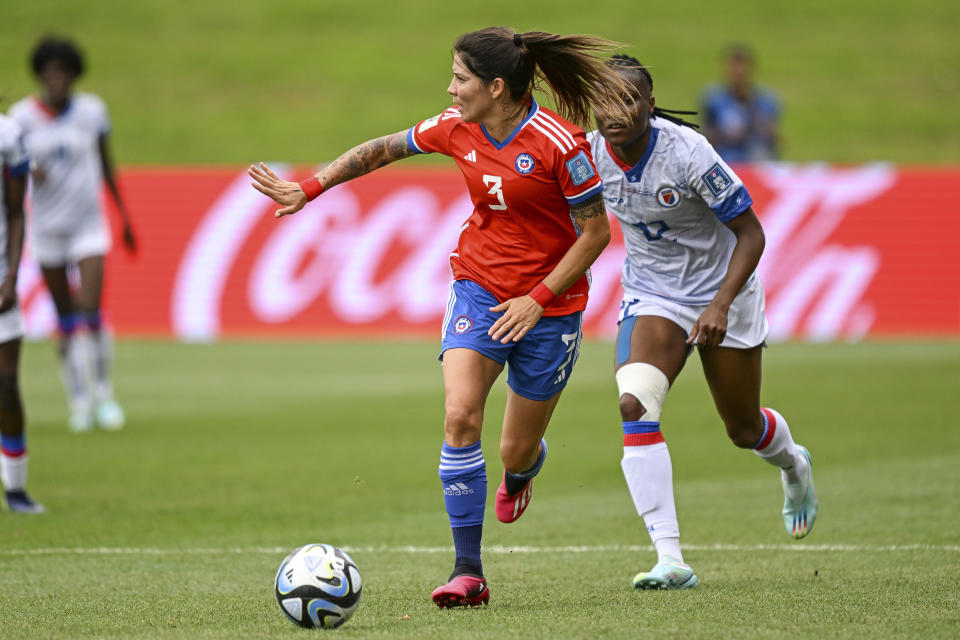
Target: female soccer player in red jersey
(520, 266)
(693, 243)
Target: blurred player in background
(693, 244)
(14, 167)
(66, 137)
(742, 120)
(520, 282)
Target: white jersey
(672, 206)
(65, 148)
(13, 159)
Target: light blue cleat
(81, 417)
(669, 574)
(800, 502)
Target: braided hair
(628, 63)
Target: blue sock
(93, 320)
(517, 481)
(13, 446)
(466, 540)
(68, 323)
(463, 473)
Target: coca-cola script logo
(814, 288)
(372, 257)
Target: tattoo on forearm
(592, 208)
(365, 158)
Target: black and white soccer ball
(318, 585)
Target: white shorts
(11, 325)
(57, 249)
(746, 321)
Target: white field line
(495, 549)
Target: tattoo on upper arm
(397, 146)
(591, 208)
(366, 157)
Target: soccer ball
(318, 585)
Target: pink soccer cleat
(462, 591)
(508, 507)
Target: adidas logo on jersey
(457, 489)
(471, 157)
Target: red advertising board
(851, 251)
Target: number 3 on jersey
(496, 189)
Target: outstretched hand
(283, 192)
(519, 316)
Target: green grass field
(232, 82)
(238, 452)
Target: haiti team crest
(524, 163)
(668, 197)
(462, 324)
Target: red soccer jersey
(522, 190)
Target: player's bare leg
(651, 352)
(109, 414)
(13, 453)
(522, 450)
(73, 348)
(734, 377)
(467, 379)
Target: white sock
(75, 369)
(777, 446)
(13, 472)
(649, 475)
(102, 357)
(668, 548)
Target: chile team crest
(668, 197)
(524, 163)
(462, 324)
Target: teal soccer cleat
(668, 574)
(800, 502)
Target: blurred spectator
(741, 120)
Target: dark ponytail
(571, 65)
(628, 63)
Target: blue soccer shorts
(540, 363)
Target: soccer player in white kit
(65, 134)
(693, 243)
(14, 167)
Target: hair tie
(517, 40)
